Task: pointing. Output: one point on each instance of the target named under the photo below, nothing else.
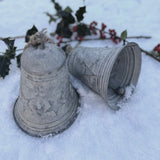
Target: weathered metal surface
(107, 71)
(47, 103)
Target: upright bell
(47, 103)
(107, 71)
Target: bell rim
(134, 79)
(66, 123)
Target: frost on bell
(107, 71)
(47, 103)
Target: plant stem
(138, 37)
(93, 39)
(16, 50)
(131, 37)
(19, 49)
(85, 39)
(147, 53)
(16, 37)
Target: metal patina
(47, 103)
(107, 71)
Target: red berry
(76, 37)
(57, 37)
(74, 28)
(94, 22)
(92, 27)
(103, 26)
(114, 40)
(157, 48)
(102, 35)
(112, 32)
(81, 38)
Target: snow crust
(132, 133)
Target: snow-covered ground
(132, 133)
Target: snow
(132, 133)
(127, 95)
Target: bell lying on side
(107, 71)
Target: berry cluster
(81, 30)
(113, 36)
(92, 27)
(60, 40)
(77, 37)
(74, 28)
(157, 48)
(102, 32)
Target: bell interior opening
(120, 76)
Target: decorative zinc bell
(107, 71)
(47, 103)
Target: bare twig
(79, 42)
(138, 37)
(93, 39)
(130, 37)
(147, 53)
(85, 39)
(19, 49)
(16, 50)
(17, 37)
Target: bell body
(47, 103)
(107, 71)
